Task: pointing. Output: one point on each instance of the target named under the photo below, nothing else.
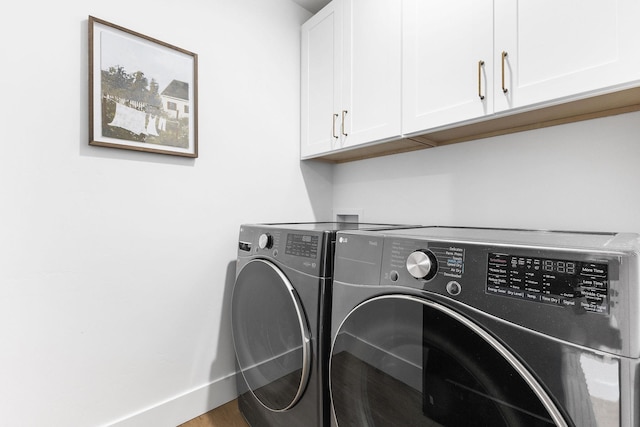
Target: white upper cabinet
(321, 69)
(351, 82)
(385, 76)
(466, 59)
(558, 49)
(447, 62)
(371, 80)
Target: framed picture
(143, 93)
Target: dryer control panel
(560, 282)
(299, 250)
(304, 245)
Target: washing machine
(280, 324)
(446, 326)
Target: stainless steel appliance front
(280, 324)
(497, 327)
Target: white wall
(116, 266)
(580, 176)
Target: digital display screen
(552, 281)
(556, 266)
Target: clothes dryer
(280, 324)
(441, 326)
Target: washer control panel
(475, 272)
(560, 282)
(574, 286)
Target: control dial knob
(265, 241)
(422, 264)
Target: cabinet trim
(608, 104)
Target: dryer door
(400, 360)
(271, 335)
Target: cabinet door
(371, 77)
(320, 80)
(444, 79)
(562, 48)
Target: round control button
(394, 276)
(265, 241)
(422, 264)
(454, 288)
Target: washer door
(401, 360)
(271, 335)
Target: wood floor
(226, 415)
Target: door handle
(344, 113)
(504, 56)
(333, 126)
(480, 65)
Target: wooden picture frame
(143, 92)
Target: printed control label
(450, 260)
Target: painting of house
(175, 99)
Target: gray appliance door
(399, 360)
(271, 335)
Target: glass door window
(271, 335)
(405, 361)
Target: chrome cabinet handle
(333, 126)
(480, 65)
(504, 88)
(344, 113)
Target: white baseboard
(182, 408)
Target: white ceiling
(312, 5)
